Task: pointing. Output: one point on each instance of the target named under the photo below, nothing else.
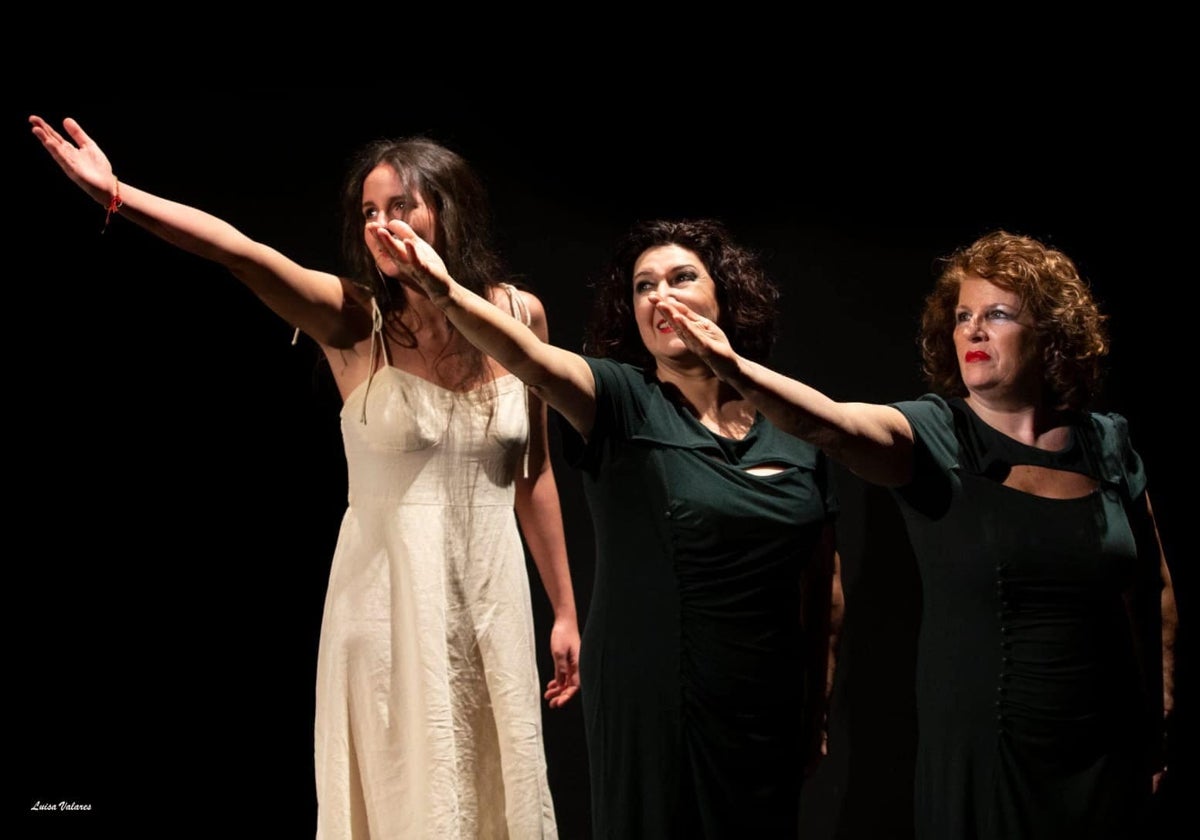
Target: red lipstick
(976, 356)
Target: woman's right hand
(83, 161)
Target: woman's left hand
(564, 646)
(700, 335)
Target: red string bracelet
(114, 203)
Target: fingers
(396, 248)
(41, 128)
(670, 309)
(690, 327)
(400, 239)
(679, 313)
(76, 131)
(565, 683)
(672, 304)
(557, 694)
(563, 697)
(44, 132)
(566, 669)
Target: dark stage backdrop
(175, 471)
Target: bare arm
(1168, 624)
(560, 377)
(820, 616)
(540, 514)
(874, 441)
(837, 611)
(314, 301)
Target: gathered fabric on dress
(692, 665)
(1032, 704)
(428, 720)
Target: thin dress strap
(376, 338)
(520, 311)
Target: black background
(176, 476)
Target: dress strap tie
(376, 337)
(520, 311)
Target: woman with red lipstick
(706, 655)
(1045, 656)
(428, 702)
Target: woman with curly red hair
(1045, 656)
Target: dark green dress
(692, 661)
(1033, 711)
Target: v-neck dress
(692, 660)
(428, 719)
(1032, 709)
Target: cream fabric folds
(428, 703)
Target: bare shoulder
(523, 305)
(355, 296)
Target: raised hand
(82, 160)
(699, 334)
(414, 257)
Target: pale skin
(1000, 365)
(336, 314)
(564, 380)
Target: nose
(661, 289)
(973, 328)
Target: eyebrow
(988, 305)
(404, 196)
(644, 272)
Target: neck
(714, 404)
(1032, 424)
(424, 318)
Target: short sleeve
(932, 423)
(620, 406)
(1118, 459)
(936, 452)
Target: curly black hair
(747, 298)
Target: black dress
(692, 660)
(1033, 709)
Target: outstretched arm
(314, 301)
(540, 514)
(874, 441)
(560, 377)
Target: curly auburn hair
(1070, 329)
(746, 297)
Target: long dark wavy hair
(458, 197)
(747, 298)
(1071, 331)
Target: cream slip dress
(428, 706)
